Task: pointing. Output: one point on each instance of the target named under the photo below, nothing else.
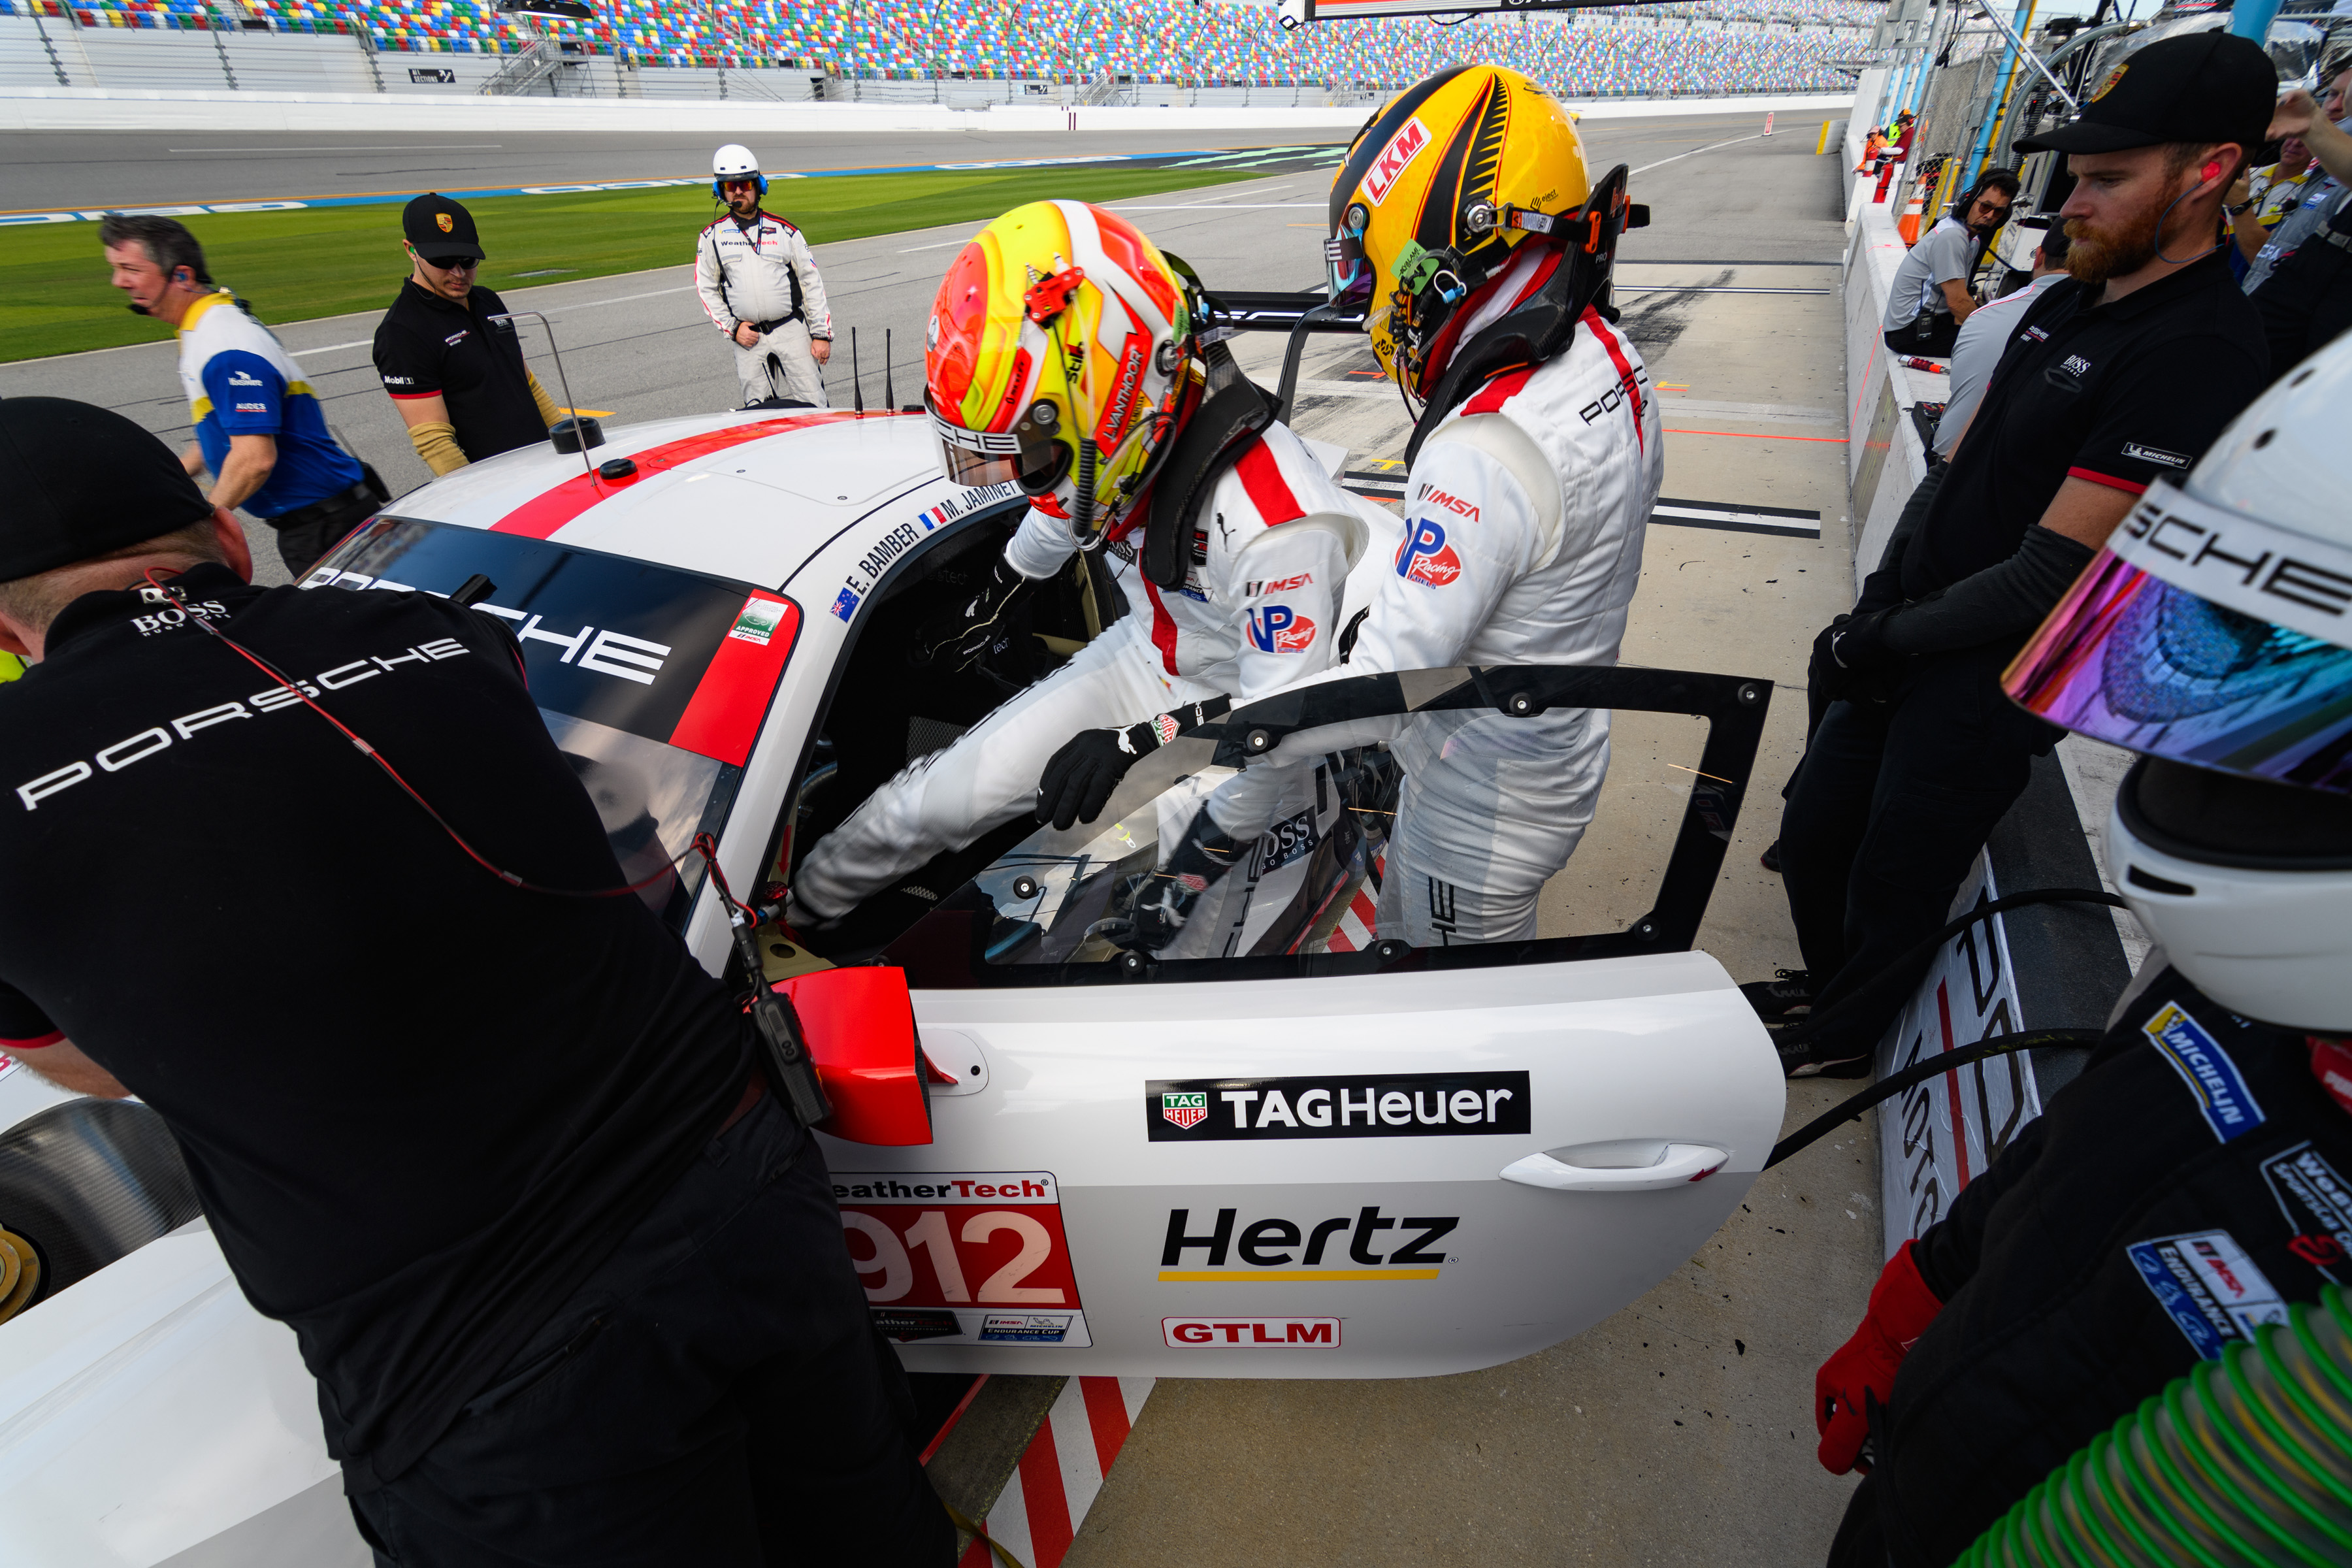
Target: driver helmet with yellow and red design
(1059, 357)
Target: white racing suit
(1258, 608)
(765, 274)
(1524, 515)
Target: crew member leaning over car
(1063, 357)
(1532, 477)
(571, 1283)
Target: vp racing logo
(1278, 629)
(1425, 557)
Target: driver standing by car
(1533, 472)
(1062, 355)
(571, 1280)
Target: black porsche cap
(82, 481)
(2200, 88)
(436, 226)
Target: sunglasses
(452, 263)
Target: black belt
(764, 328)
(358, 495)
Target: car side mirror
(860, 1028)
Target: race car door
(1283, 1146)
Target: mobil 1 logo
(1363, 1105)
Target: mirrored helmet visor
(1027, 455)
(1348, 274)
(2203, 637)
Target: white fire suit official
(763, 273)
(1259, 607)
(1524, 515)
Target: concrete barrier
(2058, 966)
(106, 109)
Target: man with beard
(759, 284)
(1929, 297)
(2118, 375)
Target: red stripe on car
(722, 718)
(540, 516)
(1262, 481)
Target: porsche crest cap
(436, 226)
(2201, 87)
(83, 482)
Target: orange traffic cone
(1907, 225)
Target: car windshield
(1320, 777)
(653, 681)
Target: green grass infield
(328, 261)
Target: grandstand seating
(1716, 46)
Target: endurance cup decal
(1376, 1105)
(962, 1257)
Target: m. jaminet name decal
(1376, 1105)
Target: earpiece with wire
(789, 1066)
(2211, 170)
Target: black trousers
(1888, 813)
(713, 1394)
(302, 545)
(1931, 334)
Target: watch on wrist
(2240, 209)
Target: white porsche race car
(1289, 1150)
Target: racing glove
(986, 623)
(1863, 1368)
(1079, 780)
(1850, 660)
(1159, 902)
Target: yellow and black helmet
(1436, 190)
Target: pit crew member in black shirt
(2196, 1181)
(2118, 376)
(455, 372)
(572, 1282)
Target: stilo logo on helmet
(1059, 354)
(1437, 195)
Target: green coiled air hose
(2245, 1462)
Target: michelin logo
(2223, 1097)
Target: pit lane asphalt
(1677, 1430)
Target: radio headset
(784, 1055)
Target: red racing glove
(1901, 1308)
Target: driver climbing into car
(1063, 354)
(1464, 218)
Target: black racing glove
(1852, 662)
(1081, 778)
(985, 625)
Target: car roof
(747, 495)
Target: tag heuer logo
(1185, 1109)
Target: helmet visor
(2204, 637)
(1348, 272)
(1027, 455)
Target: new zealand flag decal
(846, 605)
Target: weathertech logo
(1251, 1334)
(1403, 149)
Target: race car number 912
(962, 1257)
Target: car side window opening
(1025, 905)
